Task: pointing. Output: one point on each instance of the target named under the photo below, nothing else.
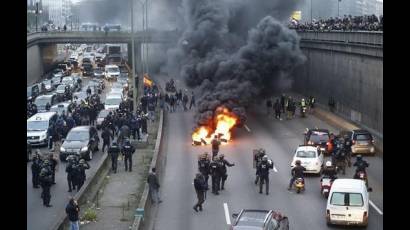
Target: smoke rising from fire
(232, 68)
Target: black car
(81, 141)
(86, 60)
(32, 92)
(87, 69)
(249, 219)
(319, 138)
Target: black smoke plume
(230, 68)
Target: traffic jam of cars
(66, 89)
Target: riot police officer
(82, 166)
(223, 173)
(53, 164)
(36, 169)
(45, 182)
(204, 166)
(215, 176)
(70, 170)
(127, 151)
(264, 167)
(113, 151)
(258, 159)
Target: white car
(112, 102)
(60, 107)
(310, 158)
(117, 91)
(112, 72)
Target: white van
(348, 203)
(37, 127)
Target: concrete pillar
(34, 64)
(49, 55)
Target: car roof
(48, 96)
(81, 128)
(348, 185)
(319, 130)
(250, 217)
(41, 116)
(307, 148)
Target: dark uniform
(113, 151)
(215, 176)
(204, 167)
(70, 170)
(200, 189)
(224, 174)
(35, 171)
(106, 135)
(215, 146)
(53, 165)
(127, 151)
(45, 182)
(258, 159)
(263, 169)
(82, 166)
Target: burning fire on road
(221, 125)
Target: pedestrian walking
(277, 107)
(36, 169)
(113, 152)
(128, 150)
(153, 183)
(45, 182)
(200, 189)
(192, 103)
(72, 210)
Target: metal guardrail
(373, 38)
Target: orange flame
(147, 81)
(224, 121)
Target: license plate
(339, 217)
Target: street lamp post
(133, 59)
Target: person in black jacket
(203, 166)
(297, 172)
(106, 135)
(70, 168)
(263, 169)
(215, 175)
(153, 183)
(53, 165)
(35, 170)
(45, 182)
(200, 189)
(128, 150)
(223, 170)
(277, 107)
(113, 151)
(81, 167)
(72, 210)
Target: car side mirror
(235, 215)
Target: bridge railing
(374, 38)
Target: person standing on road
(53, 166)
(277, 107)
(203, 166)
(70, 170)
(36, 169)
(128, 150)
(114, 151)
(215, 175)
(215, 146)
(72, 210)
(264, 167)
(106, 136)
(192, 103)
(153, 183)
(45, 182)
(200, 189)
(82, 166)
(282, 102)
(185, 101)
(224, 175)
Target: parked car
(112, 102)
(32, 92)
(111, 72)
(49, 85)
(319, 138)
(310, 157)
(41, 101)
(60, 107)
(101, 116)
(37, 126)
(362, 142)
(81, 141)
(98, 73)
(250, 219)
(87, 69)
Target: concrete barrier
(86, 192)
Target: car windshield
(37, 125)
(42, 101)
(306, 154)
(113, 69)
(113, 101)
(252, 219)
(346, 199)
(363, 137)
(318, 137)
(103, 113)
(67, 80)
(77, 136)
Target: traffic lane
(59, 192)
(293, 129)
(40, 217)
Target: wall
(354, 80)
(34, 64)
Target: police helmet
(328, 163)
(265, 158)
(298, 162)
(82, 161)
(359, 157)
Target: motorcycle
(362, 175)
(299, 185)
(325, 185)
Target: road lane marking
(247, 128)
(274, 169)
(375, 207)
(227, 217)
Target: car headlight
(43, 136)
(84, 149)
(62, 149)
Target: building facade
(58, 11)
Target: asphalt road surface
(280, 139)
(40, 217)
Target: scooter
(325, 185)
(299, 185)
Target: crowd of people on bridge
(347, 23)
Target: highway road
(280, 139)
(40, 217)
